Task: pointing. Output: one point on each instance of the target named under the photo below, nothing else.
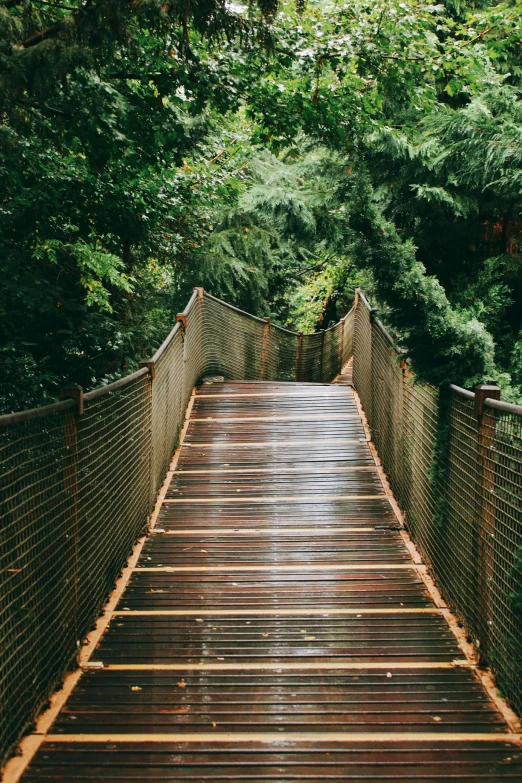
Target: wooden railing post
(486, 420)
(151, 366)
(72, 517)
(322, 356)
(264, 355)
(341, 344)
(182, 319)
(298, 354)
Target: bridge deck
(275, 627)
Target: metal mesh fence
(233, 341)
(331, 359)
(362, 357)
(279, 359)
(502, 533)
(79, 478)
(386, 382)
(37, 564)
(167, 404)
(457, 475)
(310, 358)
(114, 452)
(346, 338)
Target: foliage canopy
(278, 155)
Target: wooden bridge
(277, 625)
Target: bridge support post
(341, 345)
(72, 519)
(298, 355)
(151, 366)
(264, 355)
(322, 356)
(486, 523)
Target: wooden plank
(305, 737)
(278, 567)
(275, 443)
(280, 666)
(263, 612)
(276, 499)
(249, 531)
(328, 392)
(337, 418)
(276, 471)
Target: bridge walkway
(275, 627)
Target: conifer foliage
(277, 154)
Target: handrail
(110, 387)
(505, 407)
(164, 345)
(379, 324)
(188, 307)
(36, 413)
(177, 326)
(249, 315)
(469, 395)
(333, 326)
(364, 299)
(235, 309)
(282, 329)
(499, 405)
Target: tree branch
(43, 35)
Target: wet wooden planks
(275, 627)
(281, 761)
(263, 702)
(379, 637)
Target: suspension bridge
(236, 565)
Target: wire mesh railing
(79, 479)
(454, 462)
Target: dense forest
(277, 154)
